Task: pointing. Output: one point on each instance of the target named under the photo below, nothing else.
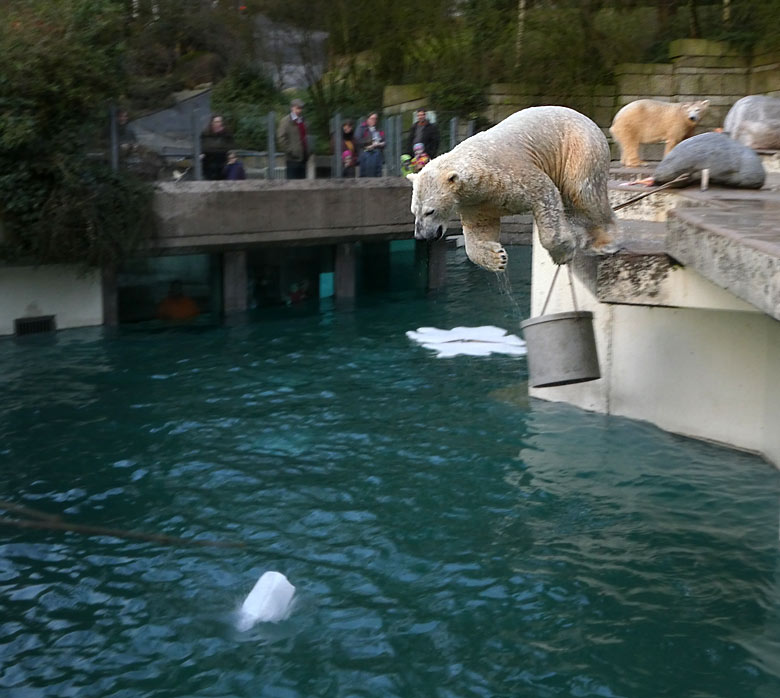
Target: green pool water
(446, 536)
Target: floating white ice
(473, 341)
(268, 602)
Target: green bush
(61, 67)
(244, 97)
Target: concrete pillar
(420, 265)
(344, 268)
(110, 296)
(437, 264)
(234, 281)
(375, 260)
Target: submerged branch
(54, 523)
(28, 511)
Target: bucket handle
(571, 288)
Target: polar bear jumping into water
(552, 161)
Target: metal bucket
(561, 349)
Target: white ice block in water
(472, 341)
(268, 602)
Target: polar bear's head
(434, 200)
(695, 110)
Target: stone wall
(595, 101)
(698, 69)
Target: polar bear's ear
(453, 177)
(412, 176)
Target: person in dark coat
(423, 131)
(215, 142)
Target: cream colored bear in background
(653, 121)
(552, 161)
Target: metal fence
(178, 155)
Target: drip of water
(505, 287)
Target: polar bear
(552, 161)
(653, 121)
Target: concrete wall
(58, 290)
(704, 364)
(206, 216)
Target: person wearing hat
(420, 158)
(291, 139)
(406, 165)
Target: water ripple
(445, 537)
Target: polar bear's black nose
(439, 232)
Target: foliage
(457, 98)
(245, 97)
(180, 44)
(752, 25)
(61, 65)
(353, 91)
(76, 212)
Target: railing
(184, 159)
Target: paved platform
(731, 237)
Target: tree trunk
(521, 10)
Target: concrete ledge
(737, 249)
(642, 273)
(219, 216)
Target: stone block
(634, 84)
(710, 83)
(509, 88)
(660, 85)
(735, 83)
(688, 84)
(764, 80)
(400, 94)
(721, 62)
(766, 57)
(724, 100)
(700, 47)
(604, 91)
(644, 69)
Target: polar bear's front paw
(489, 255)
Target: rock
(731, 164)
(754, 121)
